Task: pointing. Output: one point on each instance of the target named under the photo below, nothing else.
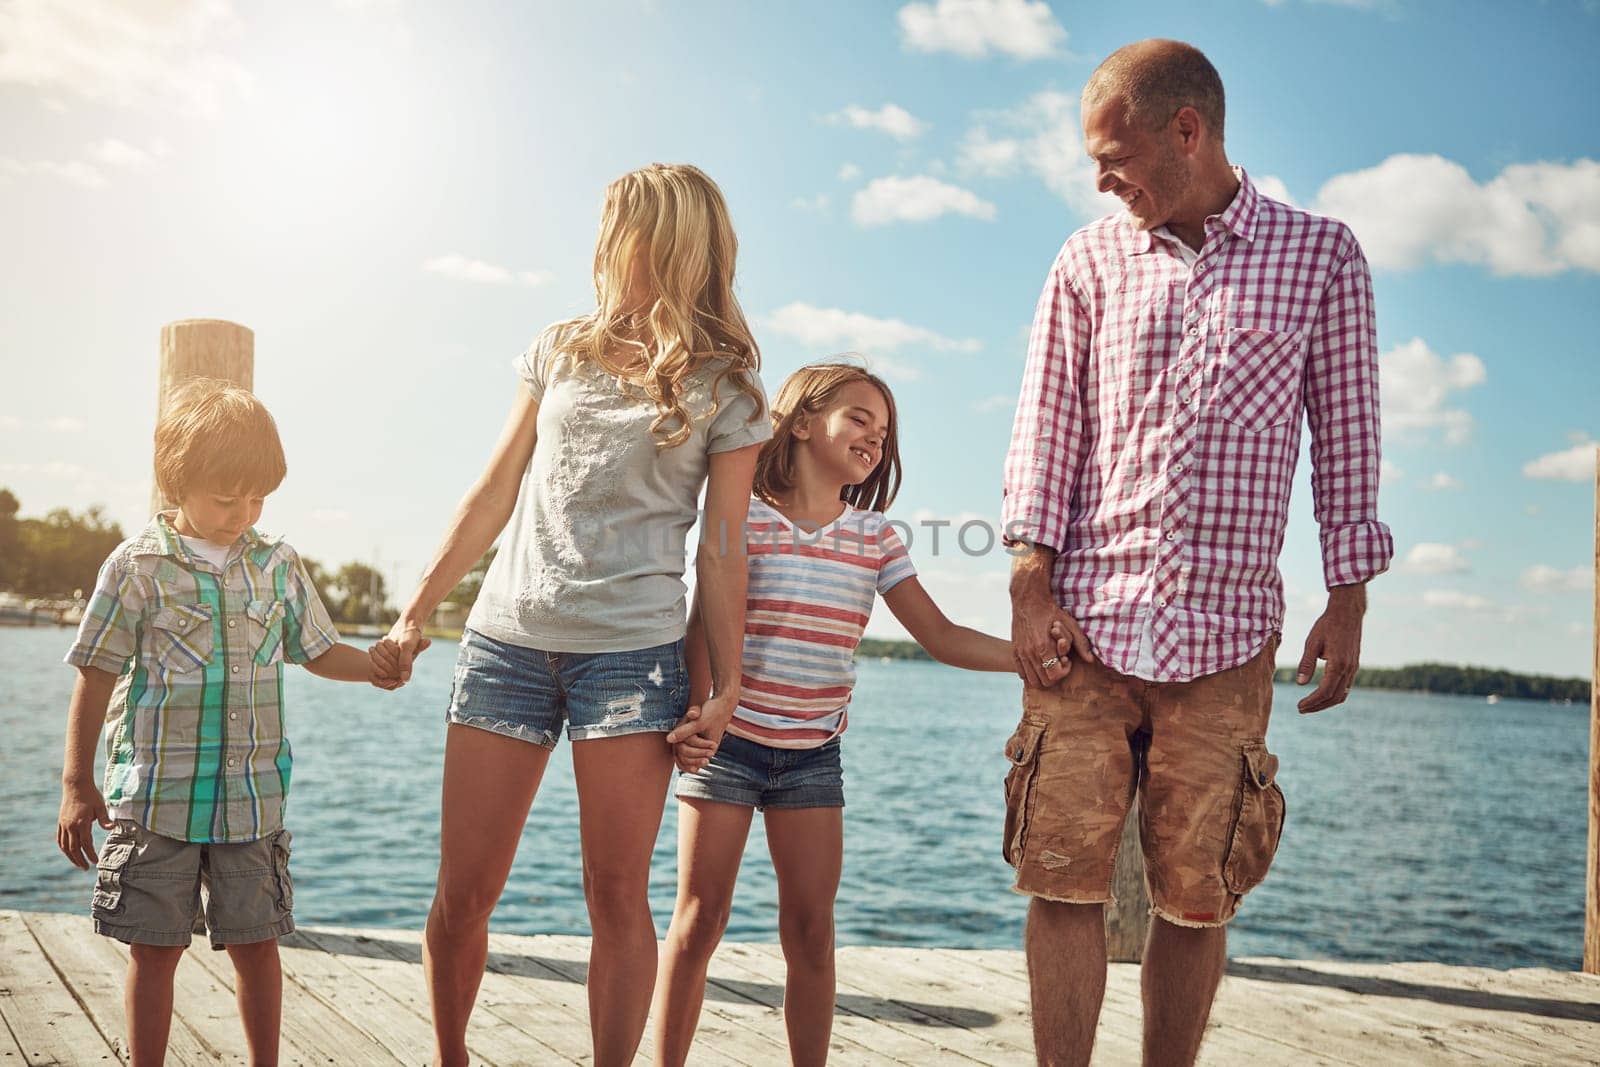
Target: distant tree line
(56, 556)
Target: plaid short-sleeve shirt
(1159, 424)
(195, 743)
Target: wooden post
(202, 348)
(1128, 920)
(1591, 924)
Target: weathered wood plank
(45, 1020)
(371, 1009)
(96, 967)
(311, 1031)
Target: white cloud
(124, 52)
(114, 153)
(834, 329)
(1575, 464)
(915, 199)
(817, 205)
(1456, 600)
(90, 173)
(891, 119)
(1274, 187)
(1022, 29)
(849, 172)
(464, 269)
(1417, 386)
(1390, 473)
(75, 172)
(1530, 219)
(1545, 578)
(998, 402)
(1428, 557)
(1442, 481)
(1040, 135)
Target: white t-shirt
(593, 558)
(207, 550)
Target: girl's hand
(81, 807)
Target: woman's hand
(392, 657)
(696, 737)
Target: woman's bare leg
(489, 784)
(622, 783)
(711, 837)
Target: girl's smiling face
(846, 438)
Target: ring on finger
(1051, 662)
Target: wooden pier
(355, 997)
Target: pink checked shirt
(1159, 424)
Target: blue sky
(396, 197)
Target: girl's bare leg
(622, 782)
(711, 837)
(489, 784)
(807, 852)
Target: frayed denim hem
(543, 738)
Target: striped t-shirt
(809, 597)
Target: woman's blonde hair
(216, 437)
(673, 216)
(809, 391)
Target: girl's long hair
(673, 216)
(809, 391)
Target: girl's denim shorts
(758, 776)
(527, 693)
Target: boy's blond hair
(217, 436)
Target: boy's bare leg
(147, 1000)
(622, 782)
(711, 839)
(1067, 976)
(807, 852)
(489, 783)
(1182, 968)
(258, 987)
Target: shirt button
(1162, 602)
(1183, 396)
(232, 623)
(234, 668)
(1200, 269)
(232, 761)
(233, 714)
(1172, 536)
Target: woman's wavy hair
(673, 216)
(809, 391)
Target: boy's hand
(81, 807)
(694, 751)
(387, 657)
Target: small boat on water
(17, 610)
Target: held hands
(1043, 641)
(696, 737)
(81, 807)
(393, 656)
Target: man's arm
(1342, 411)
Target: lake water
(1419, 827)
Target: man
(1147, 486)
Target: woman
(622, 416)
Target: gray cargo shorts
(148, 889)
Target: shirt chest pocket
(181, 638)
(1260, 382)
(264, 631)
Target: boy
(186, 636)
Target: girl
(620, 417)
(819, 551)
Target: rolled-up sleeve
(308, 630)
(1046, 450)
(108, 634)
(1342, 410)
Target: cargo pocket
(1260, 383)
(1259, 823)
(264, 631)
(114, 857)
(181, 637)
(280, 870)
(1023, 752)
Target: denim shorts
(758, 776)
(527, 694)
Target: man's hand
(81, 807)
(1044, 638)
(1336, 638)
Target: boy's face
(217, 516)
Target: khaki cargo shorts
(147, 889)
(1210, 810)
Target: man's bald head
(1154, 79)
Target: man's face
(1142, 167)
